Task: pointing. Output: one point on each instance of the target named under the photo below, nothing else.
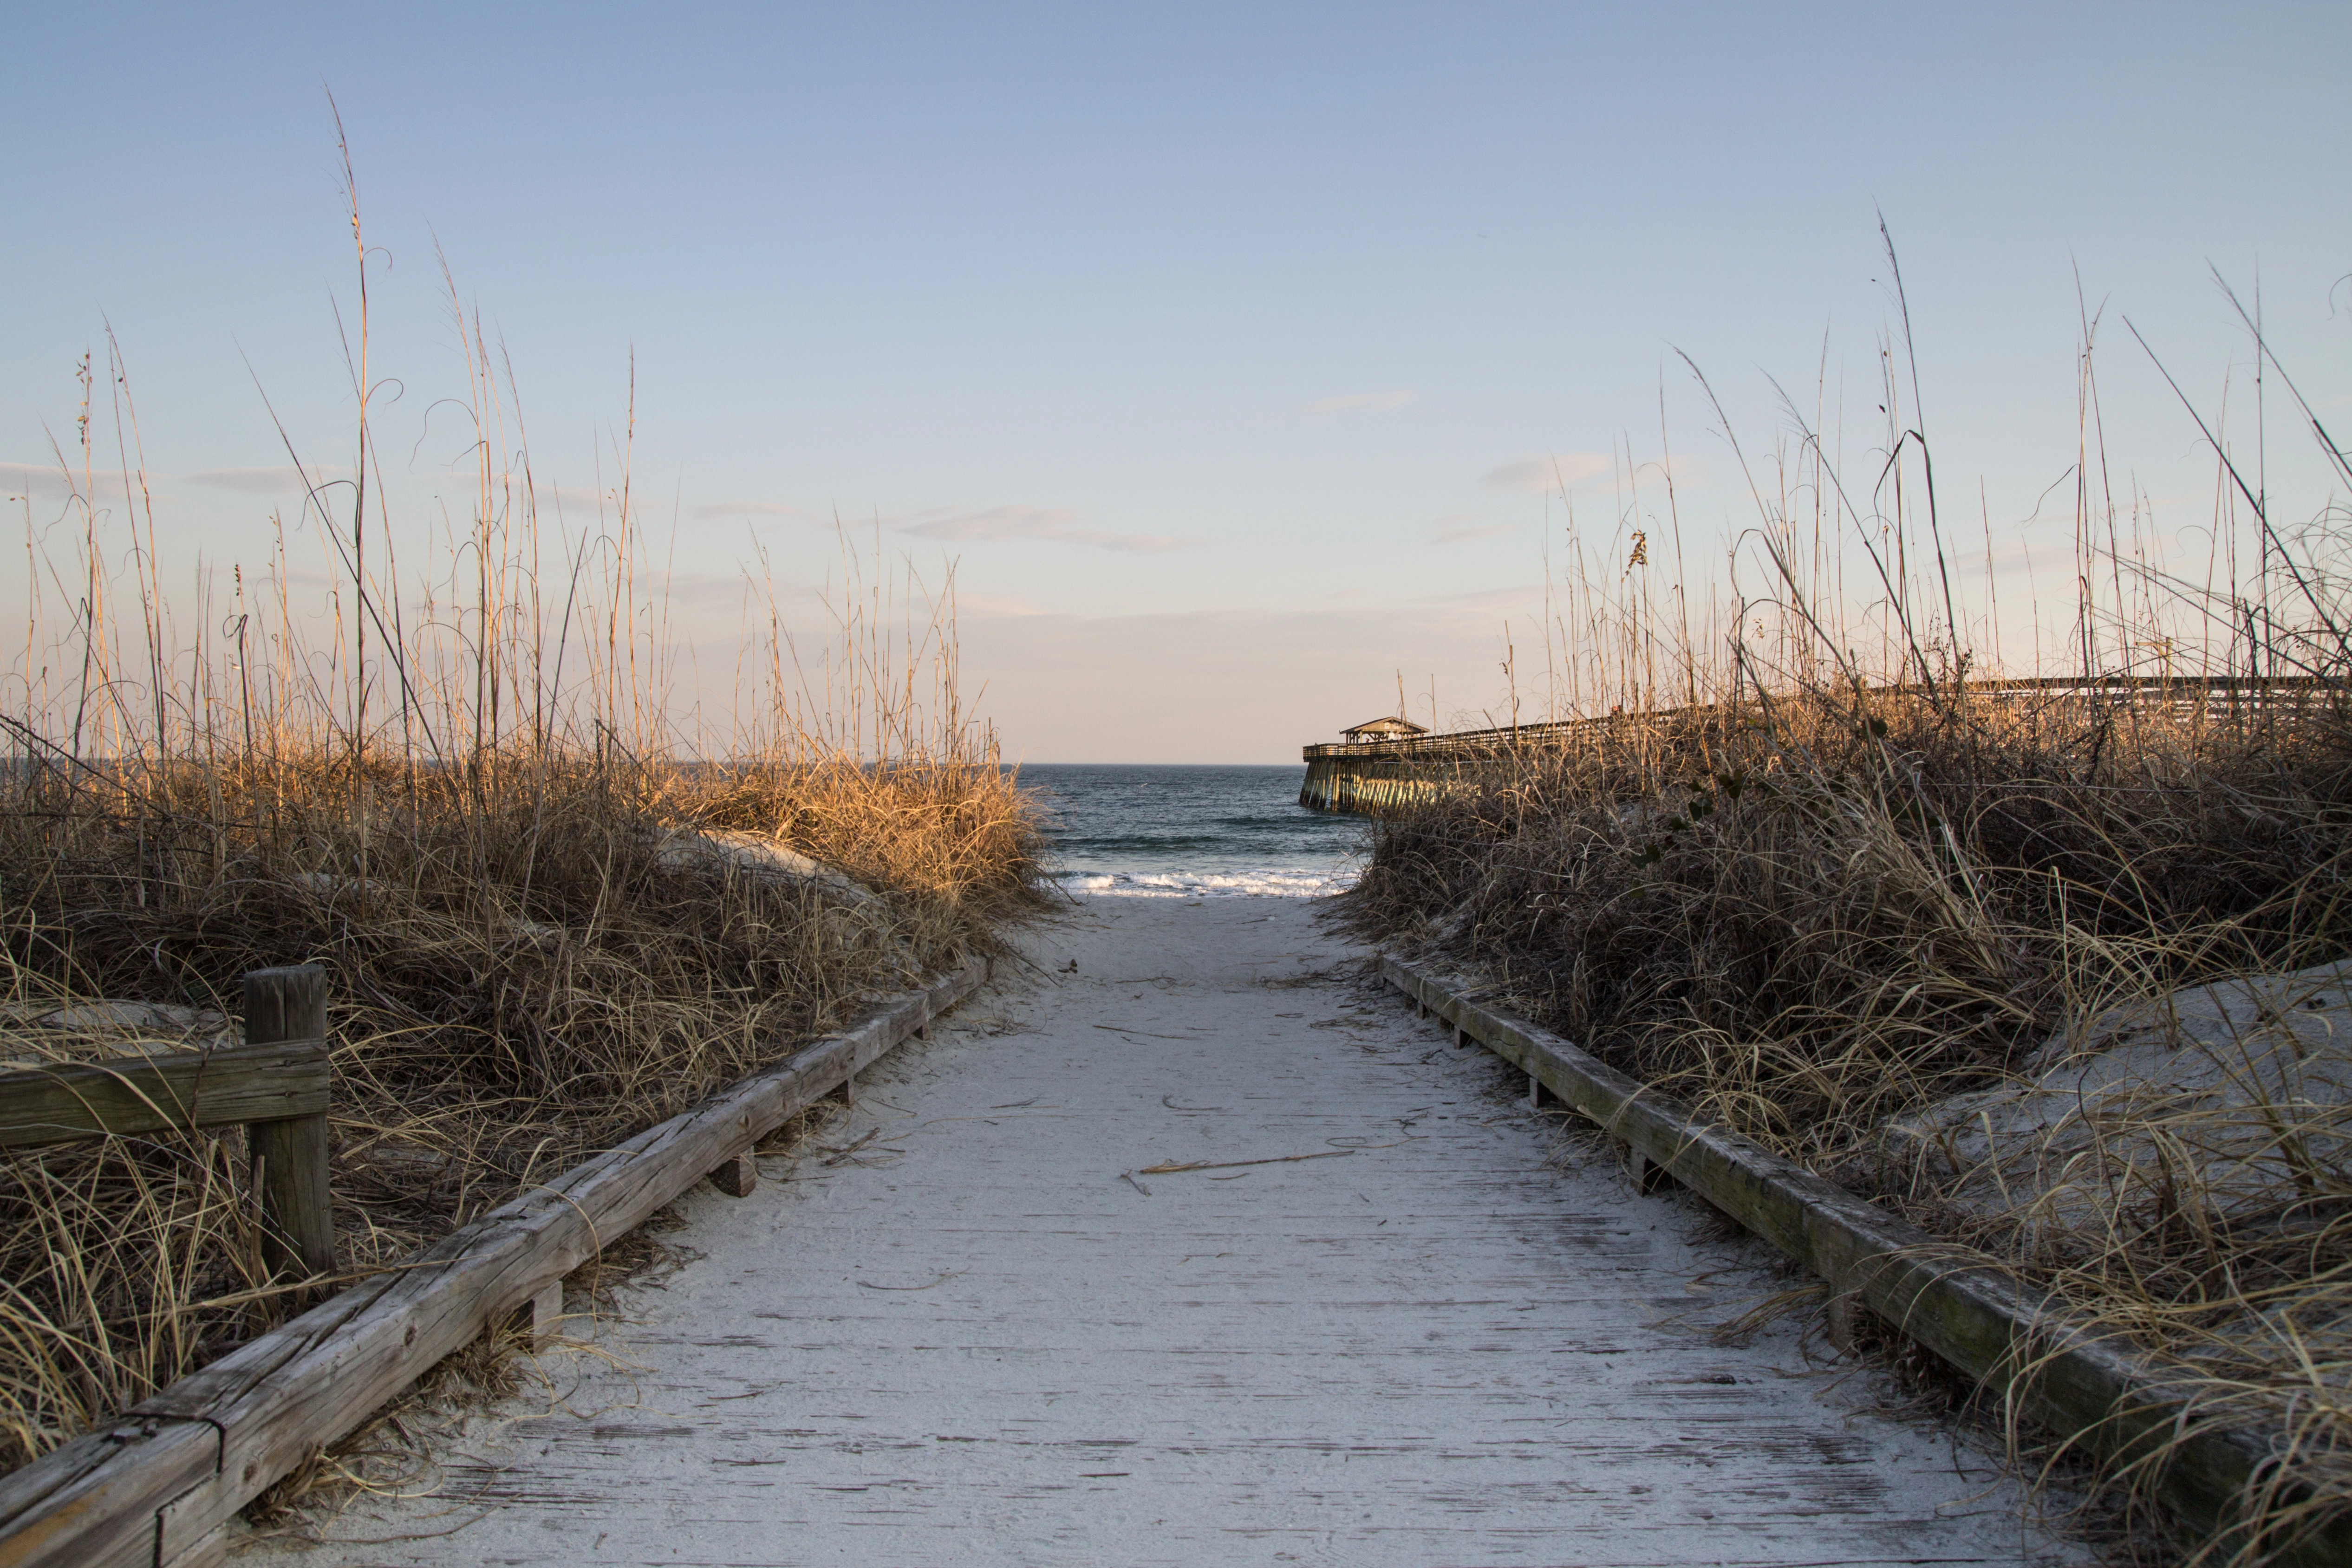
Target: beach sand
(968, 1324)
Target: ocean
(1192, 832)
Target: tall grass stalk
(465, 779)
(1810, 859)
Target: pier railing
(1385, 775)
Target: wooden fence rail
(159, 1487)
(276, 1086)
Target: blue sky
(1216, 345)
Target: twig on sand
(1171, 1169)
(942, 1279)
(1179, 1038)
(835, 1157)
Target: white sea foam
(1210, 883)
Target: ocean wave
(1209, 883)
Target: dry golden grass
(512, 989)
(1814, 891)
(1809, 928)
(468, 789)
(1735, 906)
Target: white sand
(974, 1343)
(2247, 1082)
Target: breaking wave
(1208, 883)
(1191, 832)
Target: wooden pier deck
(1208, 1252)
(1374, 778)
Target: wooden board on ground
(2090, 1388)
(966, 1326)
(157, 1488)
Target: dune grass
(467, 785)
(511, 988)
(1814, 891)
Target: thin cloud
(568, 495)
(1004, 524)
(48, 480)
(753, 509)
(282, 480)
(985, 605)
(1457, 530)
(1491, 599)
(1538, 476)
(2006, 560)
(1353, 401)
(285, 479)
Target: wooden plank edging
(158, 1489)
(2024, 1347)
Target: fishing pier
(1393, 764)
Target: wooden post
(737, 1175)
(533, 1322)
(289, 1157)
(1843, 1314)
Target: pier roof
(1384, 729)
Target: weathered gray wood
(290, 1153)
(1843, 1315)
(290, 1170)
(546, 1311)
(210, 1551)
(1437, 1349)
(184, 1537)
(58, 1105)
(96, 1501)
(737, 1175)
(2095, 1388)
(288, 1003)
(234, 1428)
(534, 1322)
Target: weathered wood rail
(1372, 777)
(2092, 1389)
(158, 1487)
(276, 1086)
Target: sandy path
(974, 1341)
